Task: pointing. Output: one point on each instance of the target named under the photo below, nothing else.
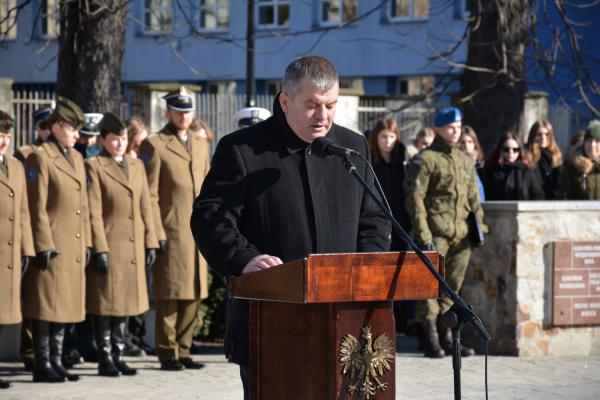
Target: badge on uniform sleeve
(32, 175)
(144, 157)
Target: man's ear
(283, 101)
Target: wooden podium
(302, 311)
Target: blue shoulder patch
(144, 157)
(32, 175)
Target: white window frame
(214, 9)
(49, 18)
(342, 20)
(8, 16)
(411, 12)
(275, 4)
(165, 5)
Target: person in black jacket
(271, 197)
(546, 157)
(388, 156)
(509, 175)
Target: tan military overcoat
(15, 239)
(122, 226)
(175, 174)
(58, 206)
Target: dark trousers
(245, 375)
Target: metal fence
(25, 104)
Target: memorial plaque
(576, 283)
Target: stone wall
(510, 277)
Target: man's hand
(101, 263)
(44, 257)
(261, 262)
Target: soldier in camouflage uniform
(440, 191)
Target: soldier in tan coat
(42, 131)
(58, 206)
(16, 242)
(176, 163)
(124, 244)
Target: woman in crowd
(546, 157)
(469, 143)
(387, 156)
(422, 141)
(136, 133)
(508, 174)
(123, 242)
(581, 177)
(58, 206)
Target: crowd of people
(96, 203)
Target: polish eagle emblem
(365, 361)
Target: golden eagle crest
(365, 362)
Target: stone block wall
(509, 281)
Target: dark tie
(123, 166)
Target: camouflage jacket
(441, 190)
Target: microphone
(326, 146)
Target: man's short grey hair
(318, 71)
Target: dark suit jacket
(268, 192)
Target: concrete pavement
(549, 378)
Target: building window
(214, 14)
(273, 13)
(273, 87)
(221, 87)
(409, 9)
(415, 86)
(50, 19)
(158, 16)
(338, 12)
(8, 21)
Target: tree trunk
(493, 84)
(91, 46)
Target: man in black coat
(271, 198)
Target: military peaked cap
(180, 99)
(42, 114)
(91, 125)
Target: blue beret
(447, 116)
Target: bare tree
(91, 47)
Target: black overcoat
(268, 192)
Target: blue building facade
(388, 49)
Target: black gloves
(24, 265)
(88, 255)
(44, 257)
(101, 263)
(162, 245)
(150, 257)
(429, 246)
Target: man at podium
(270, 197)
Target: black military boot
(42, 370)
(57, 338)
(446, 342)
(106, 366)
(431, 343)
(4, 384)
(118, 345)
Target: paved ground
(572, 378)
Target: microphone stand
(460, 312)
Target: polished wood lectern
(302, 312)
